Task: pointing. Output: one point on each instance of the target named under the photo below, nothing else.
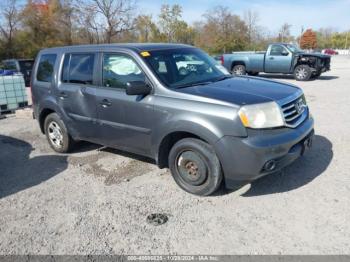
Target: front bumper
(245, 159)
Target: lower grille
(295, 112)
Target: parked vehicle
(207, 126)
(23, 66)
(279, 58)
(330, 51)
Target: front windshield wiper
(194, 84)
(223, 78)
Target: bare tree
(116, 16)
(86, 17)
(284, 33)
(251, 19)
(169, 19)
(227, 31)
(8, 27)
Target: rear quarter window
(46, 68)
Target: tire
(57, 134)
(317, 75)
(253, 73)
(238, 70)
(302, 73)
(195, 167)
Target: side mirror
(136, 88)
(284, 53)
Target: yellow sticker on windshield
(145, 54)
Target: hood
(319, 55)
(243, 90)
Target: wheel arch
(239, 62)
(42, 116)
(171, 136)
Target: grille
(295, 112)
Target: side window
(276, 50)
(78, 68)
(10, 65)
(119, 69)
(46, 67)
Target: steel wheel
(195, 166)
(55, 134)
(192, 169)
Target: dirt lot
(96, 200)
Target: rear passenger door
(76, 94)
(125, 121)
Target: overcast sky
(273, 13)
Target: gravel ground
(96, 200)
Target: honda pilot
(172, 103)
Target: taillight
(222, 60)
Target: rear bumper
(262, 152)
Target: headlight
(264, 115)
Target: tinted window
(26, 65)
(277, 50)
(120, 69)
(45, 68)
(78, 68)
(10, 65)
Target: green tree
(221, 31)
(145, 30)
(173, 27)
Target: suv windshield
(294, 48)
(178, 68)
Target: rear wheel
(57, 134)
(195, 166)
(302, 73)
(238, 70)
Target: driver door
(278, 60)
(125, 121)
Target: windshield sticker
(145, 54)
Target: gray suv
(175, 104)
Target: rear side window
(10, 65)
(46, 67)
(78, 68)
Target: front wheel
(317, 74)
(302, 73)
(195, 166)
(238, 70)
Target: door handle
(105, 103)
(272, 58)
(63, 95)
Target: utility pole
(301, 34)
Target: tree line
(37, 24)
